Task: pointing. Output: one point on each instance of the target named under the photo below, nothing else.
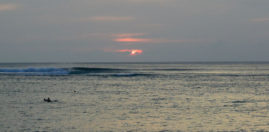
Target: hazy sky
(133, 30)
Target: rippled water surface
(135, 97)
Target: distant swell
(83, 70)
(123, 75)
(35, 71)
(70, 71)
(175, 69)
(238, 75)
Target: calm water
(135, 97)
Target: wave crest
(35, 71)
(69, 71)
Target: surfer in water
(47, 100)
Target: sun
(135, 52)
(132, 52)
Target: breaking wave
(70, 71)
(35, 71)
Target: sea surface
(134, 97)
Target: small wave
(105, 72)
(175, 69)
(238, 75)
(129, 74)
(118, 74)
(85, 70)
(35, 71)
(60, 71)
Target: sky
(133, 30)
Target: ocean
(157, 97)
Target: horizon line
(133, 62)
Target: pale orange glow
(130, 38)
(260, 19)
(7, 7)
(138, 40)
(128, 35)
(111, 18)
(132, 52)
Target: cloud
(260, 19)
(163, 40)
(128, 35)
(149, 1)
(129, 38)
(144, 0)
(110, 18)
(8, 7)
(132, 52)
(135, 40)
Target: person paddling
(47, 100)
